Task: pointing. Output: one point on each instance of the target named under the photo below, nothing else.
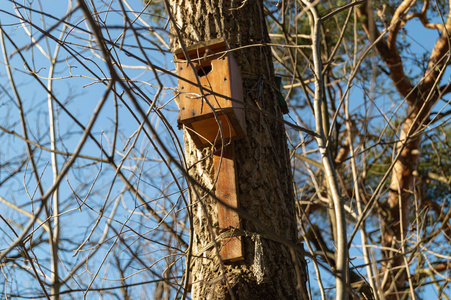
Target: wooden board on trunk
(226, 191)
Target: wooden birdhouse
(210, 99)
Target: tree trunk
(264, 179)
(396, 224)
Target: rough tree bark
(265, 187)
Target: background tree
(386, 32)
(102, 196)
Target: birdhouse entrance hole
(204, 70)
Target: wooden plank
(223, 78)
(226, 190)
(218, 80)
(198, 50)
(210, 130)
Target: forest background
(95, 197)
